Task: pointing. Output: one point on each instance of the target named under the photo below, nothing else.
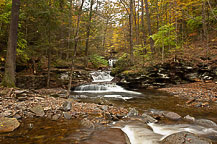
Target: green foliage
(98, 61)
(165, 36)
(195, 23)
(122, 64)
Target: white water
(101, 76)
(112, 62)
(142, 135)
(102, 88)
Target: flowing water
(69, 131)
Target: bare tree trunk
(9, 79)
(49, 51)
(104, 35)
(69, 43)
(143, 32)
(75, 47)
(88, 35)
(131, 29)
(149, 26)
(205, 32)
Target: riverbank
(197, 94)
(52, 104)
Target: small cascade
(112, 62)
(139, 134)
(101, 76)
(102, 88)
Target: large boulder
(108, 136)
(184, 138)
(8, 124)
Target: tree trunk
(88, 35)
(75, 47)
(131, 29)
(9, 79)
(149, 26)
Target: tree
(149, 25)
(88, 35)
(10, 65)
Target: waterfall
(101, 76)
(112, 62)
(102, 88)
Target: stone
(184, 138)
(17, 116)
(87, 123)
(67, 115)
(189, 118)
(172, 115)
(38, 110)
(108, 136)
(8, 124)
(55, 117)
(206, 123)
(67, 105)
(147, 118)
(132, 112)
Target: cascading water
(138, 133)
(101, 76)
(112, 62)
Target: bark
(88, 35)
(149, 26)
(143, 24)
(75, 47)
(69, 44)
(131, 29)
(10, 65)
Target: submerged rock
(38, 110)
(184, 138)
(8, 124)
(87, 123)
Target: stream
(102, 90)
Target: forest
(50, 48)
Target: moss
(8, 81)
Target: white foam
(141, 135)
(99, 88)
(117, 96)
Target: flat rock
(108, 136)
(38, 110)
(8, 124)
(185, 138)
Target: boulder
(108, 136)
(38, 110)
(147, 118)
(8, 124)
(184, 138)
(172, 115)
(206, 123)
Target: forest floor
(197, 94)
